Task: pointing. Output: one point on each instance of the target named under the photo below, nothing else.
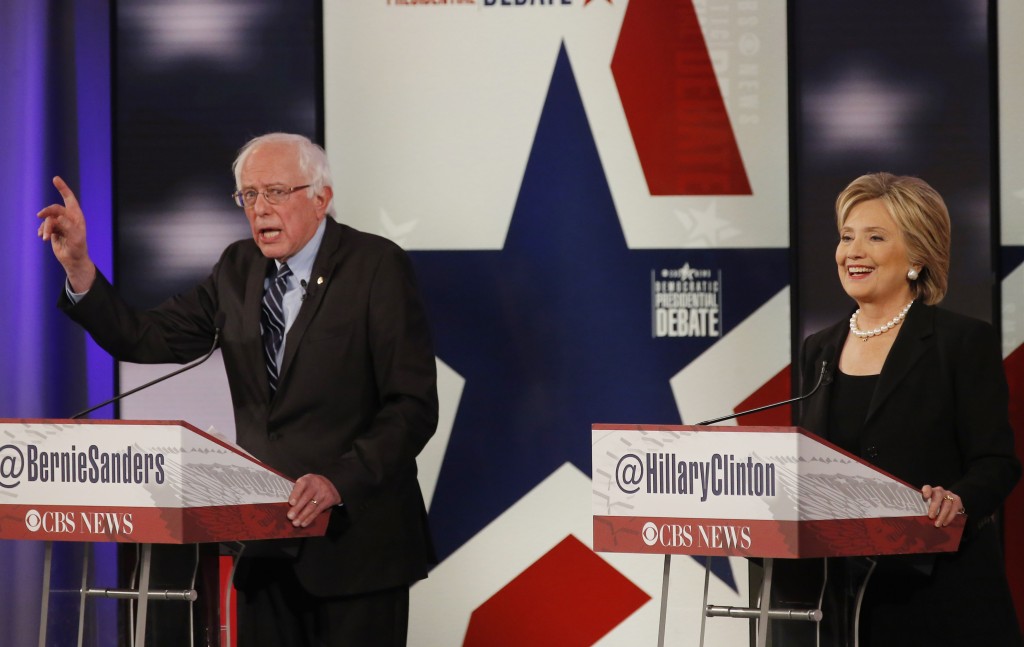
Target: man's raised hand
(64, 227)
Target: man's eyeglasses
(272, 194)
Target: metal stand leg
(821, 598)
(191, 604)
(45, 606)
(763, 613)
(860, 601)
(664, 600)
(141, 594)
(704, 605)
(83, 594)
(133, 582)
(766, 602)
(138, 595)
(140, 622)
(227, 596)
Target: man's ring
(948, 498)
(313, 501)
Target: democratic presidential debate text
(686, 302)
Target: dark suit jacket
(939, 416)
(356, 399)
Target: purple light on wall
(92, 58)
(22, 141)
(54, 119)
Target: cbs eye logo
(33, 521)
(649, 533)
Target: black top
(848, 409)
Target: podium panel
(750, 492)
(765, 492)
(142, 482)
(152, 482)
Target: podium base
(762, 613)
(174, 628)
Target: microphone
(308, 288)
(218, 325)
(821, 380)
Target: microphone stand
(821, 379)
(213, 347)
(763, 613)
(141, 594)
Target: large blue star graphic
(554, 332)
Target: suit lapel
(323, 269)
(913, 341)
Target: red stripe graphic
(1014, 508)
(786, 539)
(152, 525)
(569, 596)
(673, 104)
(776, 389)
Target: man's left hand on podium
(311, 495)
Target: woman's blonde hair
(922, 218)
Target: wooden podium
(141, 482)
(765, 492)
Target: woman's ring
(313, 501)
(948, 498)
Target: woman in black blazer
(919, 392)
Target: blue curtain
(54, 120)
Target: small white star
(392, 230)
(704, 226)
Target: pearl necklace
(868, 334)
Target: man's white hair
(313, 164)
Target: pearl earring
(912, 274)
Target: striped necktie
(272, 322)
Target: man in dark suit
(343, 405)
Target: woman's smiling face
(872, 258)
